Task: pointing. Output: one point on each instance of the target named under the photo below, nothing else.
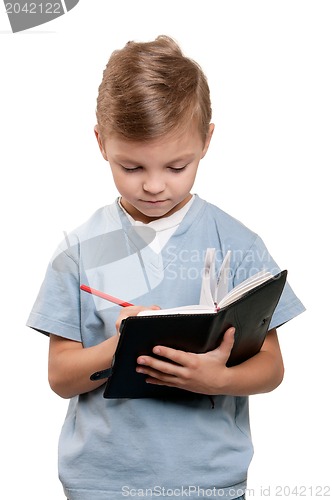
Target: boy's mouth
(154, 202)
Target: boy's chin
(146, 212)
(156, 213)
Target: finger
(149, 363)
(158, 377)
(155, 381)
(227, 343)
(175, 355)
(131, 311)
(152, 374)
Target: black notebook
(194, 329)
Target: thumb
(227, 343)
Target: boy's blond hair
(150, 90)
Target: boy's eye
(177, 169)
(136, 169)
(130, 169)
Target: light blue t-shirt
(112, 449)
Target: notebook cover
(250, 315)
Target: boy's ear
(208, 139)
(100, 142)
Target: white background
(269, 69)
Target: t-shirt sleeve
(256, 259)
(57, 306)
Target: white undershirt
(164, 227)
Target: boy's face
(154, 178)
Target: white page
(223, 279)
(244, 287)
(208, 279)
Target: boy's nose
(154, 185)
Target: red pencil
(105, 296)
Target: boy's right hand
(71, 364)
(131, 311)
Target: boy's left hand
(202, 373)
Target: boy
(153, 127)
